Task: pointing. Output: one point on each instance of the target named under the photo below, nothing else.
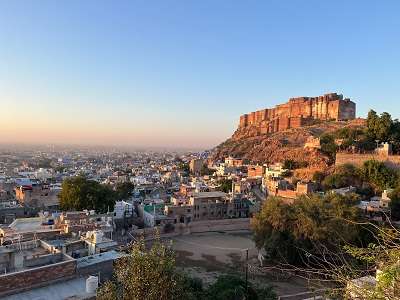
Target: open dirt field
(208, 255)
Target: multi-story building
(208, 206)
(233, 162)
(37, 195)
(255, 171)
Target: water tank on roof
(92, 283)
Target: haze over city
(199, 150)
(179, 73)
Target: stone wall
(392, 161)
(300, 111)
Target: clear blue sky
(179, 73)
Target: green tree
(384, 254)
(289, 164)
(345, 175)
(318, 177)
(394, 204)
(380, 176)
(383, 128)
(372, 120)
(147, 274)
(225, 185)
(79, 193)
(124, 190)
(286, 231)
(328, 146)
(231, 287)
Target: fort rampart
(301, 111)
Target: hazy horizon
(178, 74)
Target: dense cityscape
(71, 217)
(199, 150)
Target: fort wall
(298, 112)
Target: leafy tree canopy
(146, 274)
(286, 230)
(225, 185)
(124, 190)
(79, 193)
(152, 275)
(372, 173)
(231, 287)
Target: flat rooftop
(209, 194)
(98, 258)
(74, 289)
(26, 224)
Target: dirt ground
(208, 255)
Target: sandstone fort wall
(299, 112)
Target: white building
(123, 209)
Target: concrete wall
(105, 269)
(198, 227)
(43, 260)
(25, 280)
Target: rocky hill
(248, 143)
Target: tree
(345, 175)
(147, 274)
(383, 128)
(379, 127)
(287, 231)
(383, 255)
(368, 272)
(289, 164)
(372, 120)
(380, 176)
(225, 185)
(79, 193)
(394, 204)
(124, 190)
(328, 146)
(318, 177)
(231, 287)
(372, 173)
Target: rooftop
(74, 289)
(98, 258)
(209, 194)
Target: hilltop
(249, 143)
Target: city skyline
(179, 74)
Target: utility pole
(246, 275)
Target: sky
(179, 73)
